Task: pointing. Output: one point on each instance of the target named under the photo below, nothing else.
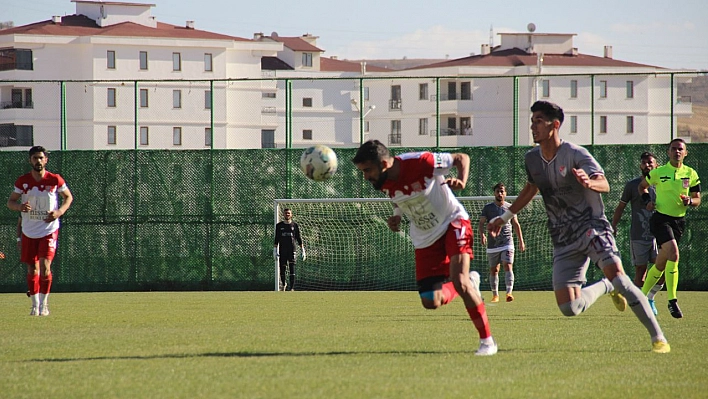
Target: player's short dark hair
(550, 110)
(646, 155)
(287, 209)
(36, 149)
(679, 139)
(499, 185)
(372, 150)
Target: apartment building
(484, 99)
(112, 77)
(128, 80)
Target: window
(28, 99)
(423, 91)
(452, 90)
(574, 124)
(395, 102)
(630, 89)
(176, 61)
(395, 136)
(176, 136)
(207, 62)
(307, 134)
(18, 100)
(143, 60)
(307, 102)
(143, 135)
(603, 89)
(466, 126)
(111, 100)
(573, 89)
(176, 98)
(545, 88)
(307, 59)
(12, 58)
(630, 124)
(111, 135)
(603, 124)
(423, 126)
(465, 90)
(111, 59)
(366, 94)
(207, 99)
(143, 98)
(207, 136)
(12, 135)
(268, 138)
(366, 126)
(268, 95)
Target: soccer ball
(318, 163)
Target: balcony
(394, 105)
(16, 104)
(394, 139)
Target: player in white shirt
(439, 225)
(36, 196)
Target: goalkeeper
(287, 238)
(439, 225)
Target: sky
(659, 33)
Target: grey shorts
(497, 258)
(643, 252)
(570, 263)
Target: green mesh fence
(203, 220)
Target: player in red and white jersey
(36, 196)
(439, 225)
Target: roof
(296, 43)
(112, 3)
(274, 64)
(334, 65)
(516, 57)
(81, 25)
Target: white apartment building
(114, 58)
(130, 81)
(484, 100)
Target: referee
(287, 236)
(677, 188)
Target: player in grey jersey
(570, 181)
(500, 249)
(642, 243)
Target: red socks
(449, 292)
(45, 283)
(479, 318)
(33, 283)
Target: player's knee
(568, 309)
(622, 283)
(429, 300)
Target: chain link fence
(203, 220)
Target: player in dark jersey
(287, 239)
(642, 243)
(571, 182)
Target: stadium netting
(350, 247)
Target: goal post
(349, 246)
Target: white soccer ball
(318, 163)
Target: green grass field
(340, 345)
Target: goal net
(349, 246)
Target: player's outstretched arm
(525, 196)
(462, 164)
